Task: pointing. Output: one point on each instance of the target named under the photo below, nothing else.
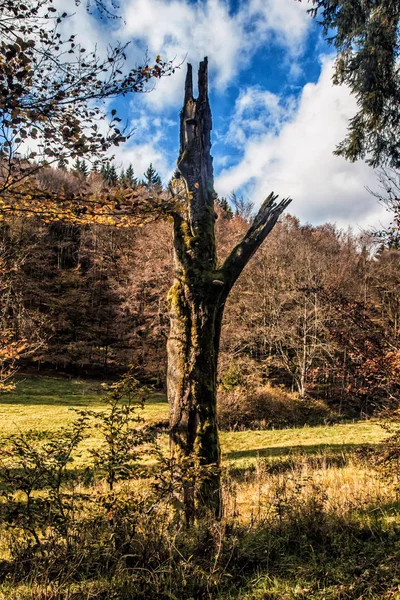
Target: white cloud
(140, 156)
(287, 22)
(298, 161)
(256, 113)
(181, 30)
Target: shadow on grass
(87, 476)
(73, 401)
(325, 557)
(285, 459)
(32, 391)
(296, 450)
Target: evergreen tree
(175, 176)
(226, 207)
(112, 176)
(109, 173)
(62, 163)
(81, 167)
(130, 178)
(366, 36)
(151, 177)
(104, 170)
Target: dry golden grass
(304, 508)
(258, 494)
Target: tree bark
(196, 304)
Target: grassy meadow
(307, 515)
(47, 403)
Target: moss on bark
(196, 303)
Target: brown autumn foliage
(21, 330)
(316, 310)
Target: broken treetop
(195, 161)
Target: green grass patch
(305, 518)
(246, 447)
(48, 403)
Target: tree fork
(196, 303)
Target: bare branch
(264, 222)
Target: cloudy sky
(276, 115)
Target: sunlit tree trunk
(196, 303)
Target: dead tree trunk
(196, 303)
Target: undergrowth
(323, 526)
(300, 549)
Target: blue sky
(276, 115)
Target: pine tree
(62, 163)
(366, 36)
(112, 177)
(226, 207)
(109, 173)
(81, 167)
(151, 178)
(175, 176)
(104, 170)
(130, 178)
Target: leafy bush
(267, 407)
(387, 456)
(122, 441)
(50, 509)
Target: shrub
(50, 510)
(387, 456)
(268, 407)
(242, 372)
